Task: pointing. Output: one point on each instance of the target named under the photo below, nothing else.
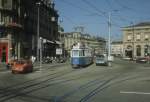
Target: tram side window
(75, 53)
(87, 53)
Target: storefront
(3, 52)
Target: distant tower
(79, 29)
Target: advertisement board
(59, 51)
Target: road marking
(133, 92)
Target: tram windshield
(75, 53)
(81, 53)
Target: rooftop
(117, 42)
(142, 24)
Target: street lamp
(62, 35)
(38, 30)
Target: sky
(93, 15)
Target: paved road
(123, 82)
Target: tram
(81, 55)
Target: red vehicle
(22, 66)
(10, 64)
(142, 60)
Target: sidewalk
(36, 66)
(54, 64)
(3, 67)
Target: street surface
(125, 81)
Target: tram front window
(81, 53)
(75, 53)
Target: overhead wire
(119, 17)
(78, 7)
(98, 11)
(102, 13)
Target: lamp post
(41, 45)
(38, 30)
(62, 35)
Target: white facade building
(117, 48)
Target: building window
(146, 37)
(129, 37)
(7, 4)
(3, 34)
(138, 50)
(4, 2)
(138, 37)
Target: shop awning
(14, 25)
(50, 41)
(58, 42)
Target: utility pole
(133, 40)
(38, 31)
(109, 34)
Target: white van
(101, 60)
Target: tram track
(108, 83)
(50, 80)
(99, 84)
(11, 90)
(15, 91)
(26, 82)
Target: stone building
(18, 28)
(136, 40)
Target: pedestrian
(33, 59)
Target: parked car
(101, 60)
(10, 64)
(142, 60)
(22, 66)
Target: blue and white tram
(81, 56)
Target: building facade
(117, 48)
(71, 38)
(18, 28)
(136, 40)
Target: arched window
(138, 50)
(128, 51)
